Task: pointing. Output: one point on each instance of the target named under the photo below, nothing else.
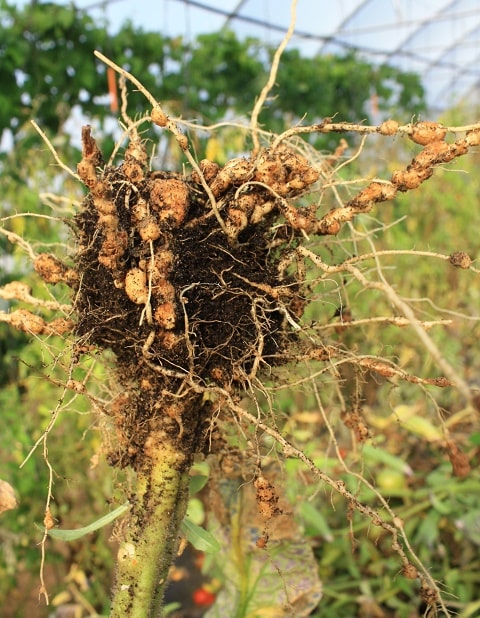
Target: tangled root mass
(179, 298)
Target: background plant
(206, 78)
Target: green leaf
(374, 454)
(314, 518)
(475, 438)
(196, 511)
(442, 507)
(197, 482)
(427, 533)
(470, 611)
(170, 608)
(73, 535)
(470, 525)
(200, 538)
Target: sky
(187, 18)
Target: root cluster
(177, 300)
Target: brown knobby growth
(181, 303)
(459, 460)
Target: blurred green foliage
(441, 515)
(80, 490)
(47, 68)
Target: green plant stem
(151, 539)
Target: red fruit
(203, 597)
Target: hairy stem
(149, 548)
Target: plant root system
(179, 302)
(187, 282)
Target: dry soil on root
(177, 299)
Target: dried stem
(327, 126)
(394, 320)
(53, 151)
(272, 77)
(395, 529)
(403, 307)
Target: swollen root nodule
(182, 300)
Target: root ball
(52, 270)
(427, 132)
(165, 315)
(389, 127)
(212, 309)
(170, 199)
(460, 259)
(27, 322)
(136, 286)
